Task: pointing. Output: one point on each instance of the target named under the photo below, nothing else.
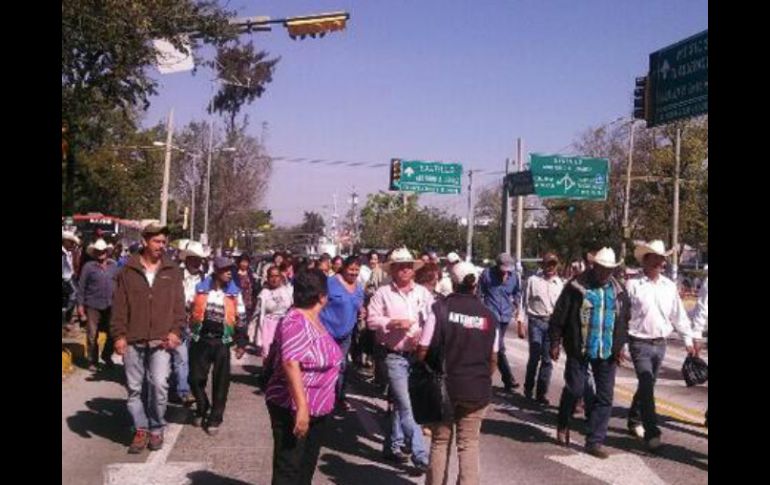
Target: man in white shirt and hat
(444, 286)
(68, 290)
(656, 311)
(192, 254)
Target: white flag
(170, 59)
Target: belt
(660, 340)
(402, 353)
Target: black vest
(465, 329)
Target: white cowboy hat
(98, 245)
(70, 236)
(453, 257)
(193, 248)
(461, 270)
(652, 247)
(605, 257)
(402, 255)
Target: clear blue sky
(446, 80)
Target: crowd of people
(177, 321)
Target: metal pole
(519, 208)
(675, 229)
(192, 202)
(626, 205)
(506, 212)
(166, 170)
(469, 247)
(205, 235)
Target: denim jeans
(647, 358)
(599, 408)
(339, 387)
(403, 425)
(539, 353)
(181, 361)
(147, 367)
(502, 360)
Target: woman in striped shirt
(300, 393)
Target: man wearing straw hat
(656, 311)
(591, 320)
(95, 300)
(396, 313)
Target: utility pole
(519, 208)
(166, 170)
(469, 248)
(626, 205)
(675, 229)
(506, 212)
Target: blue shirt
(500, 297)
(340, 314)
(96, 284)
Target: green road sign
(422, 176)
(679, 80)
(558, 176)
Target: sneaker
(156, 441)
(395, 456)
(212, 430)
(653, 443)
(141, 438)
(636, 430)
(598, 451)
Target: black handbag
(427, 383)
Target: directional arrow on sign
(409, 171)
(567, 182)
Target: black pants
(294, 460)
(99, 320)
(203, 354)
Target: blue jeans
(149, 368)
(403, 425)
(181, 361)
(599, 408)
(339, 388)
(647, 358)
(539, 353)
(502, 360)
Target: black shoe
(510, 387)
(397, 456)
(598, 451)
(421, 468)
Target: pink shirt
(389, 303)
(319, 358)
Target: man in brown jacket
(148, 315)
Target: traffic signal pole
(675, 229)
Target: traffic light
(316, 25)
(642, 99)
(395, 173)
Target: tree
(243, 74)
(388, 223)
(313, 224)
(238, 179)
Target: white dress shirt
(656, 309)
(700, 315)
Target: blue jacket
(501, 298)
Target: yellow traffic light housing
(316, 25)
